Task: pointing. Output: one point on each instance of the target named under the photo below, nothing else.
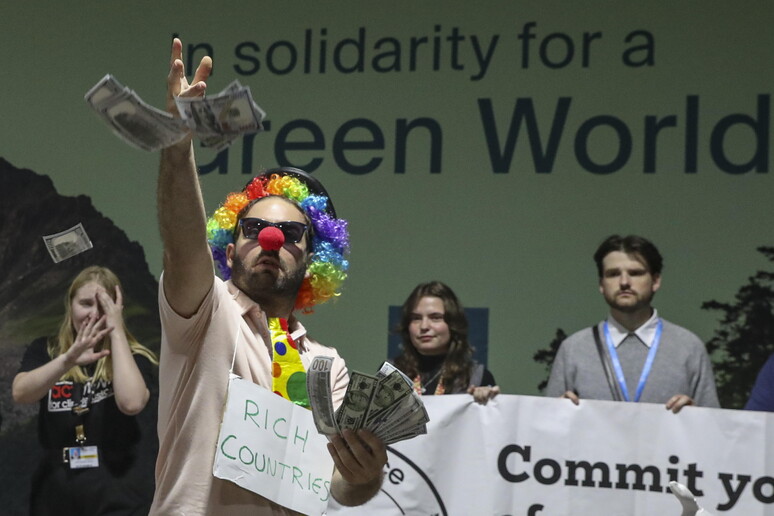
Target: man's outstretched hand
(359, 457)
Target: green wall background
(519, 243)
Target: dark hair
(458, 361)
(630, 244)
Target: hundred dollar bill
(67, 243)
(406, 416)
(106, 89)
(412, 412)
(136, 122)
(233, 110)
(390, 390)
(399, 414)
(142, 126)
(353, 411)
(390, 403)
(216, 121)
(388, 368)
(220, 119)
(400, 434)
(383, 420)
(237, 86)
(318, 385)
(385, 404)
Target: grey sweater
(681, 366)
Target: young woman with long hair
(435, 353)
(90, 381)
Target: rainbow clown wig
(330, 237)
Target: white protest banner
(271, 447)
(533, 456)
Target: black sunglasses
(293, 231)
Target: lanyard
(645, 368)
(77, 409)
(80, 434)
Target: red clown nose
(271, 238)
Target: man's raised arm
(188, 267)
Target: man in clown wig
(279, 248)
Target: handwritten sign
(271, 447)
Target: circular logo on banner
(406, 490)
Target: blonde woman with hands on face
(90, 381)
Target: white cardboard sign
(271, 447)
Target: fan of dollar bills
(385, 404)
(216, 121)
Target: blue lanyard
(645, 369)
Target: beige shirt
(196, 354)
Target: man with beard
(634, 354)
(284, 249)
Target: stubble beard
(264, 288)
(638, 304)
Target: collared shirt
(646, 333)
(256, 319)
(197, 353)
(681, 367)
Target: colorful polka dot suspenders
(288, 373)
